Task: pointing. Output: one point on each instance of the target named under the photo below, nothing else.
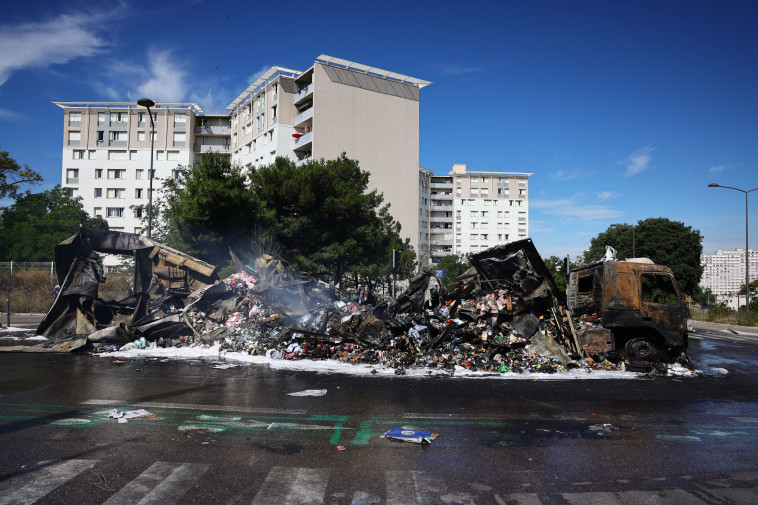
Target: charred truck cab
(638, 305)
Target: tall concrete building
(335, 106)
(724, 271)
(473, 211)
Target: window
(115, 193)
(98, 211)
(119, 117)
(658, 288)
(116, 155)
(458, 192)
(484, 236)
(74, 137)
(139, 173)
(98, 173)
(173, 155)
(500, 213)
(484, 224)
(474, 236)
(180, 119)
(138, 193)
(470, 201)
(474, 191)
(101, 117)
(160, 155)
(474, 213)
(458, 214)
(273, 113)
(179, 138)
(138, 212)
(72, 176)
(474, 178)
(98, 192)
(485, 192)
(78, 154)
(114, 211)
(175, 174)
(116, 173)
(474, 225)
(141, 136)
(485, 178)
(485, 213)
(91, 155)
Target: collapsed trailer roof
(157, 269)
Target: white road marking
(41, 479)
(193, 406)
(304, 486)
(665, 497)
(161, 484)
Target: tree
(557, 269)
(453, 266)
(666, 242)
(325, 219)
(36, 222)
(209, 208)
(13, 175)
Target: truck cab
(634, 305)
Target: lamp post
(747, 254)
(146, 102)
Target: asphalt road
(236, 436)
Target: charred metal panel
(595, 340)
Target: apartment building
(336, 106)
(724, 271)
(472, 211)
(106, 154)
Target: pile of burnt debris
(506, 315)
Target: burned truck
(634, 305)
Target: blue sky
(622, 110)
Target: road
(236, 436)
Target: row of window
(489, 203)
(123, 117)
(79, 154)
(120, 193)
(475, 179)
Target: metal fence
(23, 266)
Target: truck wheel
(639, 348)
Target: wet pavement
(237, 436)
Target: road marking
(417, 488)
(41, 479)
(193, 406)
(665, 497)
(305, 486)
(161, 484)
(519, 499)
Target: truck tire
(639, 348)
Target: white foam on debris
(214, 353)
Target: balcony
(208, 148)
(301, 118)
(213, 130)
(72, 180)
(442, 185)
(441, 219)
(437, 205)
(117, 143)
(303, 161)
(441, 196)
(304, 93)
(304, 142)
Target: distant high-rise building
(473, 211)
(724, 271)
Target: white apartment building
(724, 271)
(336, 106)
(472, 211)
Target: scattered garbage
(506, 315)
(123, 417)
(309, 392)
(603, 428)
(412, 436)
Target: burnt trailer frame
(162, 276)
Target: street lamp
(634, 253)
(747, 255)
(146, 102)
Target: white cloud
(255, 75)
(567, 176)
(9, 113)
(57, 41)
(573, 210)
(456, 69)
(607, 195)
(717, 169)
(163, 80)
(637, 161)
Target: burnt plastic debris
(505, 315)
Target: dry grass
(724, 315)
(32, 291)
